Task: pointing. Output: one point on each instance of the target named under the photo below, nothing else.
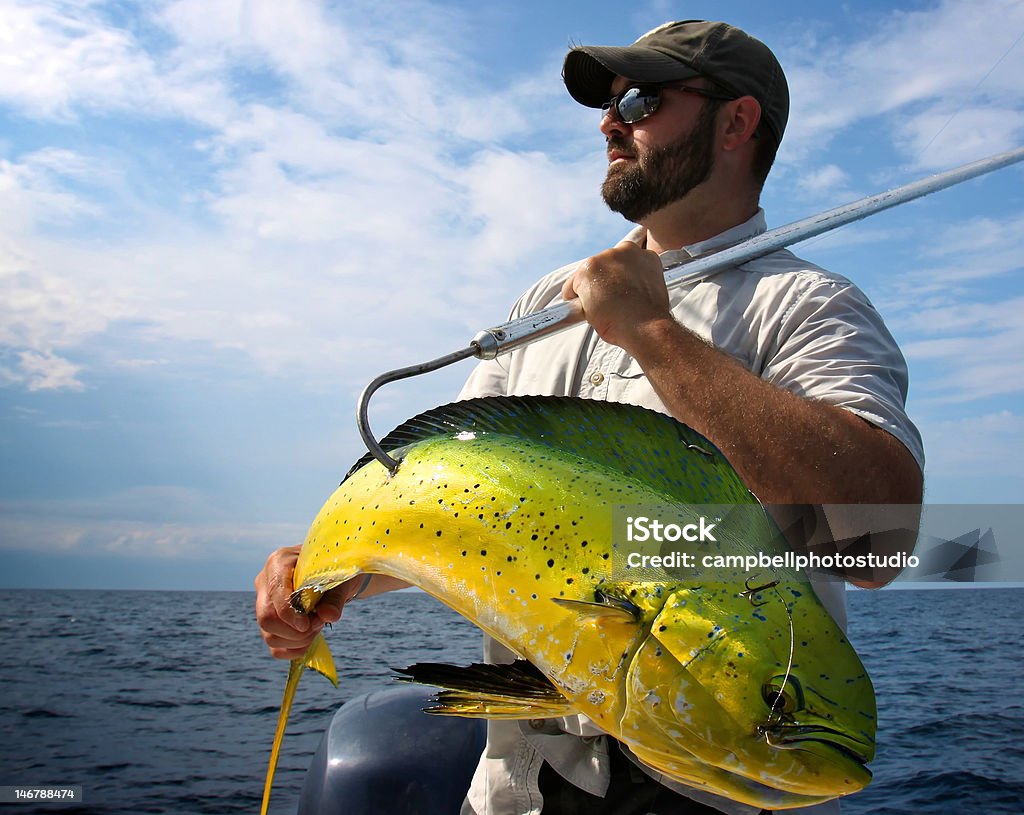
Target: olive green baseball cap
(727, 56)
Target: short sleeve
(833, 347)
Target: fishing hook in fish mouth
(750, 591)
(776, 716)
(790, 736)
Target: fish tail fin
(318, 657)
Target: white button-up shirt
(786, 320)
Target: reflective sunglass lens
(636, 104)
(633, 105)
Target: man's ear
(743, 116)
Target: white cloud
(954, 317)
(55, 56)
(40, 372)
(162, 522)
(514, 195)
(958, 313)
(918, 68)
(34, 190)
(978, 347)
(987, 445)
(823, 179)
(344, 185)
(941, 138)
(356, 191)
(42, 314)
(970, 252)
(234, 541)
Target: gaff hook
(362, 419)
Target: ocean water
(166, 702)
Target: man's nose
(612, 125)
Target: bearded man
(787, 368)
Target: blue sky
(219, 220)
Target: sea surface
(158, 702)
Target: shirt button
(596, 378)
(537, 724)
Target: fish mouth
(808, 737)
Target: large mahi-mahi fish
(501, 509)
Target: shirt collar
(741, 232)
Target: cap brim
(589, 70)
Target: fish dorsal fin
(651, 447)
(514, 691)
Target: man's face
(655, 175)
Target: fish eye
(783, 694)
(779, 701)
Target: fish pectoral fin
(609, 608)
(514, 691)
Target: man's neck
(697, 217)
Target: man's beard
(662, 175)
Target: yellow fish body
(502, 509)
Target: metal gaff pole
(501, 339)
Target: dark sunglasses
(640, 101)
